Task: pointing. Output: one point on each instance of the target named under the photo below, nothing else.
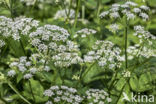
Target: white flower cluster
(54, 39)
(137, 50)
(130, 9)
(114, 27)
(66, 59)
(18, 26)
(65, 13)
(143, 35)
(84, 33)
(106, 54)
(26, 66)
(60, 94)
(96, 96)
(50, 32)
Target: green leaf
(37, 91)
(120, 84)
(134, 83)
(19, 78)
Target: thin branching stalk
(77, 12)
(18, 93)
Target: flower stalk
(77, 12)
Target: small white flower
(144, 7)
(138, 28)
(114, 27)
(47, 68)
(11, 73)
(63, 14)
(109, 99)
(33, 70)
(131, 3)
(130, 16)
(23, 59)
(104, 14)
(53, 45)
(116, 5)
(35, 42)
(54, 88)
(125, 6)
(28, 64)
(57, 99)
(114, 15)
(42, 47)
(28, 76)
(114, 9)
(48, 93)
(22, 68)
(136, 10)
(14, 64)
(144, 16)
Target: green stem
(77, 12)
(83, 11)
(17, 92)
(121, 93)
(31, 90)
(126, 37)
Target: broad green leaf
(37, 89)
(134, 83)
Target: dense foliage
(77, 51)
